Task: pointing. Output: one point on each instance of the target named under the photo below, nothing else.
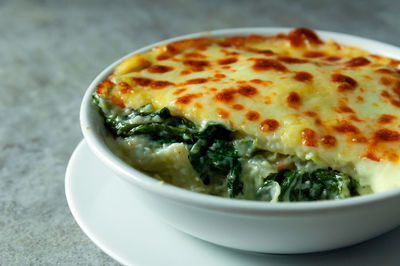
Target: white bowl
(296, 227)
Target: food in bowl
(286, 117)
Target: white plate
(102, 206)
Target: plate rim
(75, 214)
(116, 255)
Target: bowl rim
(195, 199)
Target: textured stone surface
(51, 50)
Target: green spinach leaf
(211, 150)
(214, 153)
(320, 184)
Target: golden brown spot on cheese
(303, 36)
(160, 84)
(332, 58)
(227, 61)
(185, 72)
(163, 56)
(387, 95)
(264, 52)
(375, 56)
(396, 88)
(262, 82)
(384, 71)
(252, 116)
(226, 67)
(267, 52)
(124, 87)
(309, 137)
(337, 45)
(226, 95)
(386, 118)
(343, 108)
(310, 113)
(318, 122)
(159, 69)
(394, 63)
(372, 157)
(313, 54)
(393, 157)
(238, 107)
(196, 81)
(104, 86)
(228, 53)
(328, 141)
(224, 44)
(395, 103)
(359, 99)
(269, 125)
(293, 99)
(142, 81)
(198, 105)
(222, 113)
(280, 36)
(386, 81)
(256, 81)
(171, 48)
(202, 48)
(179, 91)
(196, 63)
(292, 60)
(268, 64)
(247, 90)
(355, 118)
(346, 127)
(117, 101)
(303, 76)
(194, 55)
(346, 83)
(234, 41)
(357, 61)
(368, 77)
(384, 135)
(267, 100)
(386, 154)
(220, 76)
(187, 98)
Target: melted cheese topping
(336, 105)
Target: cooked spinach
(320, 184)
(269, 191)
(216, 156)
(159, 125)
(211, 151)
(246, 146)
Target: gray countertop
(50, 52)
